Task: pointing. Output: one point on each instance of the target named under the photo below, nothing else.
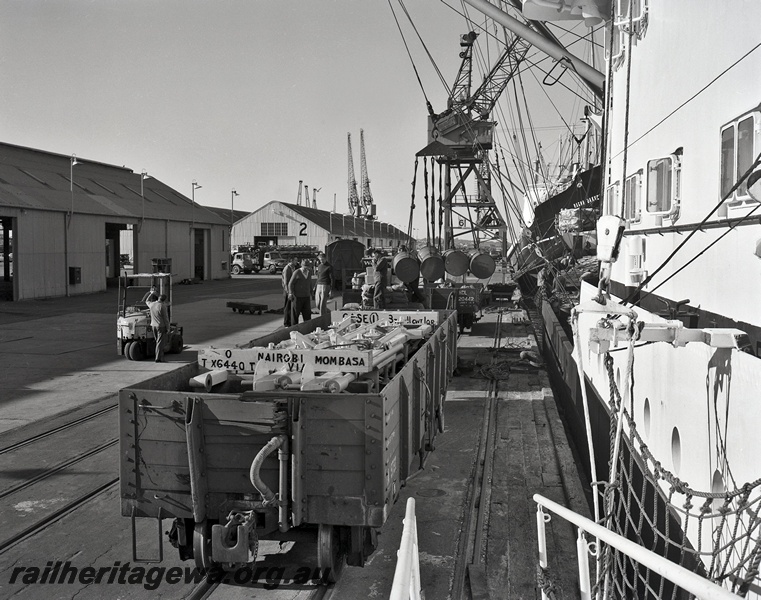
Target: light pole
(143, 176)
(73, 162)
(233, 193)
(193, 204)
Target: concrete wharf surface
(60, 359)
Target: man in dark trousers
(381, 268)
(300, 290)
(324, 276)
(288, 271)
(159, 323)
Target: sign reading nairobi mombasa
(244, 360)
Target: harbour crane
(354, 207)
(368, 207)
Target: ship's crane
(314, 196)
(298, 198)
(306, 195)
(368, 206)
(354, 207)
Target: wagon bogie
(236, 467)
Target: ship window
(663, 178)
(612, 205)
(633, 198)
(739, 142)
(275, 229)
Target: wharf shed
(284, 224)
(63, 218)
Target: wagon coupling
(235, 543)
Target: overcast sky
(247, 94)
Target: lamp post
(73, 162)
(233, 193)
(143, 176)
(193, 204)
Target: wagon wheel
(331, 556)
(136, 351)
(202, 545)
(234, 309)
(127, 347)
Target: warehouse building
(63, 219)
(283, 224)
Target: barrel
(456, 262)
(431, 263)
(406, 267)
(482, 265)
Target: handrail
(691, 582)
(406, 583)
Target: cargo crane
(461, 137)
(368, 207)
(354, 207)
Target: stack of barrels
(431, 265)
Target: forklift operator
(160, 324)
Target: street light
(71, 184)
(193, 204)
(143, 176)
(233, 193)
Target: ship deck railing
(698, 586)
(406, 585)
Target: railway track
(50, 474)
(469, 566)
(54, 430)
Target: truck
(269, 259)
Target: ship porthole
(717, 487)
(676, 450)
(646, 417)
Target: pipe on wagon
(268, 496)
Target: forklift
(134, 334)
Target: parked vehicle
(244, 262)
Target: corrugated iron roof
(347, 225)
(39, 180)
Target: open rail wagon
(233, 466)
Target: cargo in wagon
(314, 427)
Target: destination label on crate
(244, 360)
(396, 317)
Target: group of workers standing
(299, 288)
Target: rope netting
(650, 505)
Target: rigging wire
(412, 202)
(697, 228)
(412, 61)
(430, 57)
(627, 107)
(695, 95)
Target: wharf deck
(529, 454)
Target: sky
(254, 95)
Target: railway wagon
(234, 466)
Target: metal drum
(431, 263)
(406, 267)
(456, 262)
(482, 265)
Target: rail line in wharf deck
(469, 566)
(35, 483)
